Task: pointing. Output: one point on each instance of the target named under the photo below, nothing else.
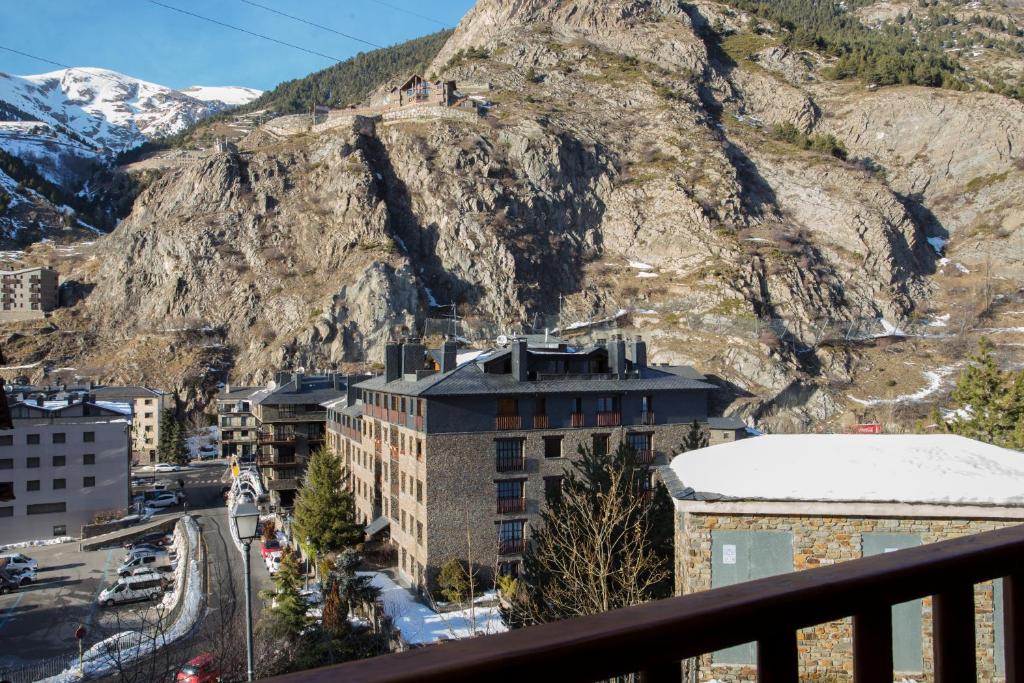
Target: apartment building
(436, 450)
(147, 407)
(28, 293)
(63, 462)
(236, 423)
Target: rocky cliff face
(624, 166)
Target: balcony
(653, 638)
(577, 420)
(283, 484)
(647, 417)
(510, 463)
(275, 438)
(644, 456)
(541, 422)
(508, 422)
(272, 461)
(512, 547)
(609, 419)
(508, 505)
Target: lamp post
(247, 518)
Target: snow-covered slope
(234, 95)
(90, 114)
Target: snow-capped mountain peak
(234, 95)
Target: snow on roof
(944, 469)
(117, 406)
(420, 625)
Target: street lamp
(247, 518)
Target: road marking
(103, 579)
(10, 613)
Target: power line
(310, 23)
(63, 66)
(251, 33)
(415, 14)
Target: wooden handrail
(655, 636)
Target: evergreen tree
(453, 581)
(989, 402)
(324, 510)
(289, 607)
(603, 542)
(354, 591)
(695, 438)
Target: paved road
(38, 622)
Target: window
(148, 402)
(508, 406)
(419, 533)
(600, 444)
(552, 447)
(46, 508)
(59, 461)
(7, 511)
(552, 487)
(32, 485)
(511, 495)
(577, 404)
(60, 530)
(6, 439)
(509, 454)
(513, 569)
(60, 484)
(60, 437)
(419, 491)
(6, 490)
(89, 437)
(32, 462)
(88, 482)
(149, 416)
(639, 442)
(32, 439)
(403, 482)
(89, 459)
(403, 520)
(6, 463)
(607, 404)
(510, 536)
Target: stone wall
(431, 111)
(825, 650)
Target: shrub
(454, 581)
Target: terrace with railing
(655, 638)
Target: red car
(199, 670)
(268, 548)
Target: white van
(133, 589)
(137, 561)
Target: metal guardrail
(655, 637)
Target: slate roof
(125, 392)
(238, 393)
(726, 423)
(470, 380)
(312, 389)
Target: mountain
(232, 95)
(826, 246)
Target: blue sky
(143, 40)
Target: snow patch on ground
(640, 265)
(36, 544)
(935, 379)
(420, 625)
(943, 262)
(646, 274)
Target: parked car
(17, 561)
(165, 499)
(24, 576)
(154, 538)
(7, 583)
(141, 561)
(133, 590)
(160, 569)
(146, 548)
(166, 467)
(201, 669)
(267, 548)
(273, 563)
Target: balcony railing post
(872, 646)
(953, 635)
(777, 658)
(1013, 627)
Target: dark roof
(726, 423)
(238, 393)
(308, 389)
(468, 379)
(353, 411)
(124, 392)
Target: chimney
(520, 361)
(297, 378)
(39, 401)
(227, 387)
(617, 357)
(412, 358)
(392, 362)
(281, 378)
(638, 352)
(351, 393)
(449, 355)
(336, 382)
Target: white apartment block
(63, 462)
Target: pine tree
(603, 542)
(171, 447)
(355, 591)
(324, 510)
(695, 438)
(989, 402)
(289, 607)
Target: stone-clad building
(776, 504)
(434, 448)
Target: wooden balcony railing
(508, 422)
(576, 420)
(512, 547)
(506, 505)
(653, 638)
(510, 463)
(541, 422)
(647, 417)
(609, 419)
(644, 456)
(270, 437)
